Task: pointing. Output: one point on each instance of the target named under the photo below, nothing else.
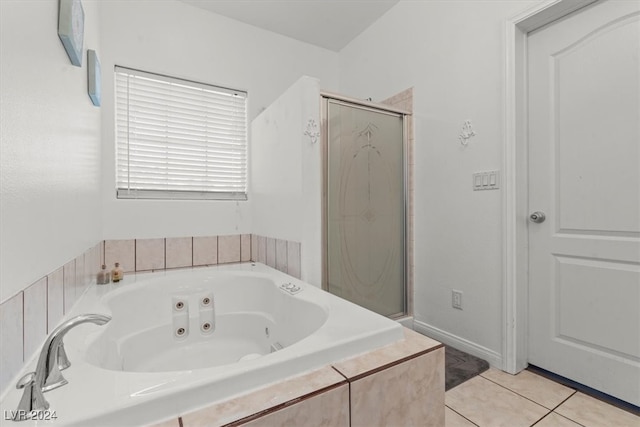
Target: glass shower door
(365, 217)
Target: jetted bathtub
(183, 339)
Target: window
(177, 139)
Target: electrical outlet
(456, 299)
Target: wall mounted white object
(312, 131)
(467, 133)
(95, 76)
(71, 29)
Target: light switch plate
(489, 180)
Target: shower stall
(365, 204)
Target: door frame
(515, 209)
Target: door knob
(537, 217)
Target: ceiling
(331, 24)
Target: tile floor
(495, 398)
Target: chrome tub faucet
(52, 360)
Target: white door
(584, 163)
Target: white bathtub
(138, 369)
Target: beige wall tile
(402, 100)
(205, 250)
(122, 251)
(539, 389)
(265, 398)
(245, 247)
(412, 344)
(228, 249)
(149, 254)
(91, 266)
(69, 272)
(179, 252)
(262, 249)
(11, 327)
(98, 257)
(271, 252)
(330, 409)
(254, 247)
(35, 316)
(80, 276)
(55, 298)
(101, 253)
(589, 411)
(293, 259)
(488, 404)
(410, 393)
(281, 255)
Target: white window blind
(177, 139)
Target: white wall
(452, 53)
(174, 38)
(50, 145)
(286, 174)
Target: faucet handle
(25, 380)
(54, 379)
(32, 399)
(63, 360)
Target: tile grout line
(553, 411)
(545, 416)
(561, 403)
(529, 399)
(461, 415)
(549, 411)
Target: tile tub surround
(29, 316)
(283, 255)
(176, 252)
(267, 400)
(399, 384)
(183, 252)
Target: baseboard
(407, 322)
(494, 358)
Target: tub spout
(52, 359)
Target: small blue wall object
(95, 77)
(71, 29)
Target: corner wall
(286, 174)
(452, 53)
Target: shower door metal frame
(325, 98)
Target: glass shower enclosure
(364, 232)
